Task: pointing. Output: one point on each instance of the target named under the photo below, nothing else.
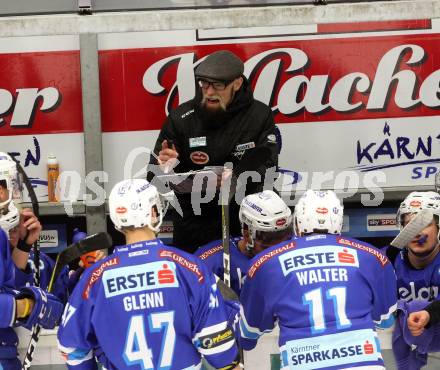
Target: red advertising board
(357, 97)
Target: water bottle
(53, 171)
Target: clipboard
(183, 183)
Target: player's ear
(154, 215)
(297, 233)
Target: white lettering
(321, 275)
(143, 301)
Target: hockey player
(147, 305)
(258, 213)
(417, 265)
(416, 269)
(10, 191)
(326, 292)
(28, 306)
(23, 229)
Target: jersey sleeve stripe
(75, 356)
(13, 311)
(387, 320)
(194, 367)
(248, 331)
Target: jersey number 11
(314, 299)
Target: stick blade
(413, 228)
(91, 243)
(226, 291)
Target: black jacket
(248, 123)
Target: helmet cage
(10, 219)
(416, 202)
(10, 180)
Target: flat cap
(221, 65)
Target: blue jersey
(8, 337)
(326, 292)
(212, 255)
(147, 306)
(26, 278)
(7, 267)
(417, 283)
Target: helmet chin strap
(250, 244)
(249, 237)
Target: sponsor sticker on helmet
(280, 222)
(121, 210)
(415, 204)
(322, 210)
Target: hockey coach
(219, 125)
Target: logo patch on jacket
(245, 146)
(199, 157)
(195, 142)
(271, 138)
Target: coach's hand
(167, 153)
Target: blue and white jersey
(212, 255)
(146, 306)
(327, 293)
(414, 283)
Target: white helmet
(318, 211)
(9, 179)
(131, 203)
(264, 212)
(418, 201)
(10, 219)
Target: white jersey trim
(211, 330)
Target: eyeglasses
(216, 85)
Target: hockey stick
(412, 229)
(437, 182)
(252, 160)
(226, 292)
(36, 211)
(225, 200)
(71, 253)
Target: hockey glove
(47, 308)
